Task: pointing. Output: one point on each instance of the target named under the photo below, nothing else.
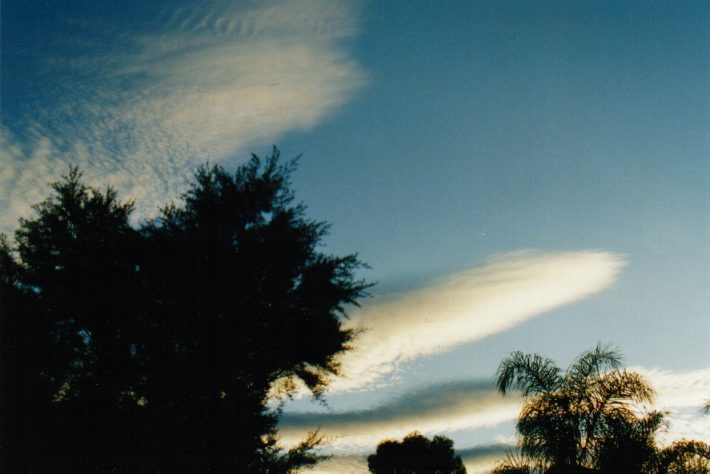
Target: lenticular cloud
(467, 307)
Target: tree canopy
(416, 454)
(154, 347)
(588, 418)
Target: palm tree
(684, 456)
(628, 444)
(572, 421)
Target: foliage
(154, 348)
(416, 454)
(686, 457)
(67, 326)
(587, 418)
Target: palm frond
(516, 462)
(549, 428)
(590, 364)
(531, 373)
(619, 388)
(692, 457)
(588, 416)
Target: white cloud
(468, 307)
(444, 407)
(462, 308)
(205, 82)
(682, 394)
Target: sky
(518, 175)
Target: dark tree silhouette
(242, 297)
(627, 444)
(583, 419)
(154, 349)
(70, 328)
(22, 351)
(684, 456)
(416, 454)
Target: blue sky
(524, 175)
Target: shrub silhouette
(416, 454)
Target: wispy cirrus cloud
(434, 409)
(141, 106)
(682, 395)
(467, 307)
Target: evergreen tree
(155, 349)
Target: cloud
(462, 308)
(438, 408)
(201, 82)
(682, 394)
(344, 464)
(478, 460)
(468, 307)
(482, 459)
(472, 404)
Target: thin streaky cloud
(142, 116)
(434, 409)
(467, 307)
(482, 459)
(467, 405)
(478, 460)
